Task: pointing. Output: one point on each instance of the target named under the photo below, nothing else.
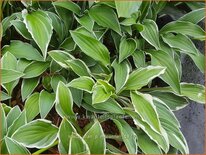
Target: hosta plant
(97, 77)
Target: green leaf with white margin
(40, 27)
(20, 50)
(160, 139)
(79, 67)
(86, 22)
(32, 106)
(28, 86)
(151, 33)
(91, 47)
(180, 41)
(126, 48)
(142, 76)
(146, 144)
(185, 28)
(39, 133)
(60, 57)
(22, 64)
(21, 28)
(35, 69)
(9, 61)
(173, 101)
(194, 16)
(144, 106)
(95, 139)
(4, 96)
(3, 127)
(8, 75)
(46, 102)
(139, 59)
(64, 99)
(171, 75)
(18, 122)
(185, 45)
(69, 5)
(127, 8)
(65, 131)
(121, 70)
(83, 83)
(105, 17)
(55, 80)
(14, 147)
(128, 135)
(12, 115)
(110, 105)
(77, 145)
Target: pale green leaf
(28, 86)
(32, 106)
(8, 75)
(92, 47)
(126, 48)
(142, 76)
(12, 115)
(55, 80)
(40, 27)
(46, 102)
(36, 134)
(83, 83)
(86, 22)
(105, 17)
(95, 139)
(3, 121)
(139, 59)
(127, 8)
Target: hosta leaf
(100, 94)
(60, 57)
(95, 139)
(8, 75)
(32, 106)
(139, 59)
(160, 139)
(3, 122)
(68, 44)
(185, 28)
(18, 122)
(126, 48)
(40, 27)
(22, 64)
(144, 106)
(194, 16)
(83, 83)
(68, 5)
(151, 33)
(86, 22)
(127, 8)
(128, 135)
(110, 105)
(35, 69)
(171, 75)
(146, 144)
(181, 42)
(21, 28)
(8, 61)
(105, 16)
(77, 96)
(28, 86)
(91, 47)
(46, 102)
(64, 99)
(36, 134)
(79, 67)
(55, 80)
(6, 22)
(199, 60)
(23, 50)
(120, 70)
(65, 131)
(194, 92)
(4, 96)
(14, 147)
(173, 101)
(77, 145)
(142, 76)
(12, 115)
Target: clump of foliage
(96, 77)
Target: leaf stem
(45, 149)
